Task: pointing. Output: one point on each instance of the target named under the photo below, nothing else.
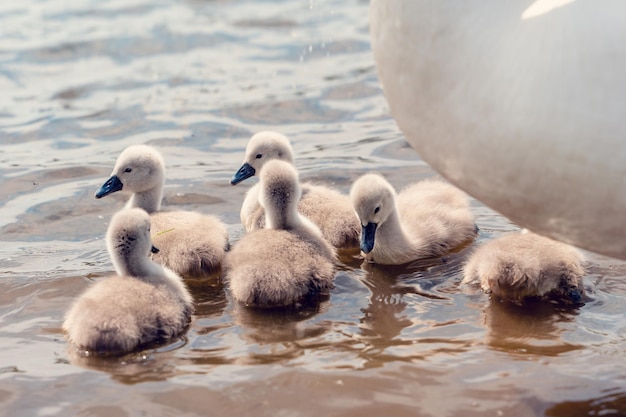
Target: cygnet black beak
(575, 296)
(368, 234)
(154, 249)
(246, 171)
(111, 185)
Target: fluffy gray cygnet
(330, 210)
(289, 260)
(190, 243)
(144, 303)
(516, 266)
(425, 220)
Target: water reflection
(227, 332)
(409, 316)
(384, 317)
(611, 404)
(282, 326)
(151, 365)
(209, 295)
(535, 327)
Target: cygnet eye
(377, 209)
(128, 170)
(259, 156)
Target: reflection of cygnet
(330, 210)
(189, 242)
(424, 220)
(519, 265)
(287, 261)
(144, 303)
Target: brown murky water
(82, 80)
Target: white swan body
(425, 220)
(189, 242)
(330, 210)
(516, 266)
(288, 261)
(520, 103)
(144, 303)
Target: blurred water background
(82, 79)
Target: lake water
(83, 79)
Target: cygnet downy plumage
(424, 220)
(330, 210)
(288, 261)
(190, 243)
(516, 266)
(144, 303)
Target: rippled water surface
(82, 79)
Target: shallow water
(82, 80)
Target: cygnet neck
(149, 200)
(285, 216)
(282, 215)
(130, 263)
(392, 233)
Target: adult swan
(521, 103)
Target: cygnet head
(279, 194)
(374, 201)
(263, 147)
(138, 169)
(128, 241)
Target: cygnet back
(516, 266)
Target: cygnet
(191, 243)
(144, 303)
(288, 261)
(516, 266)
(425, 220)
(330, 210)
